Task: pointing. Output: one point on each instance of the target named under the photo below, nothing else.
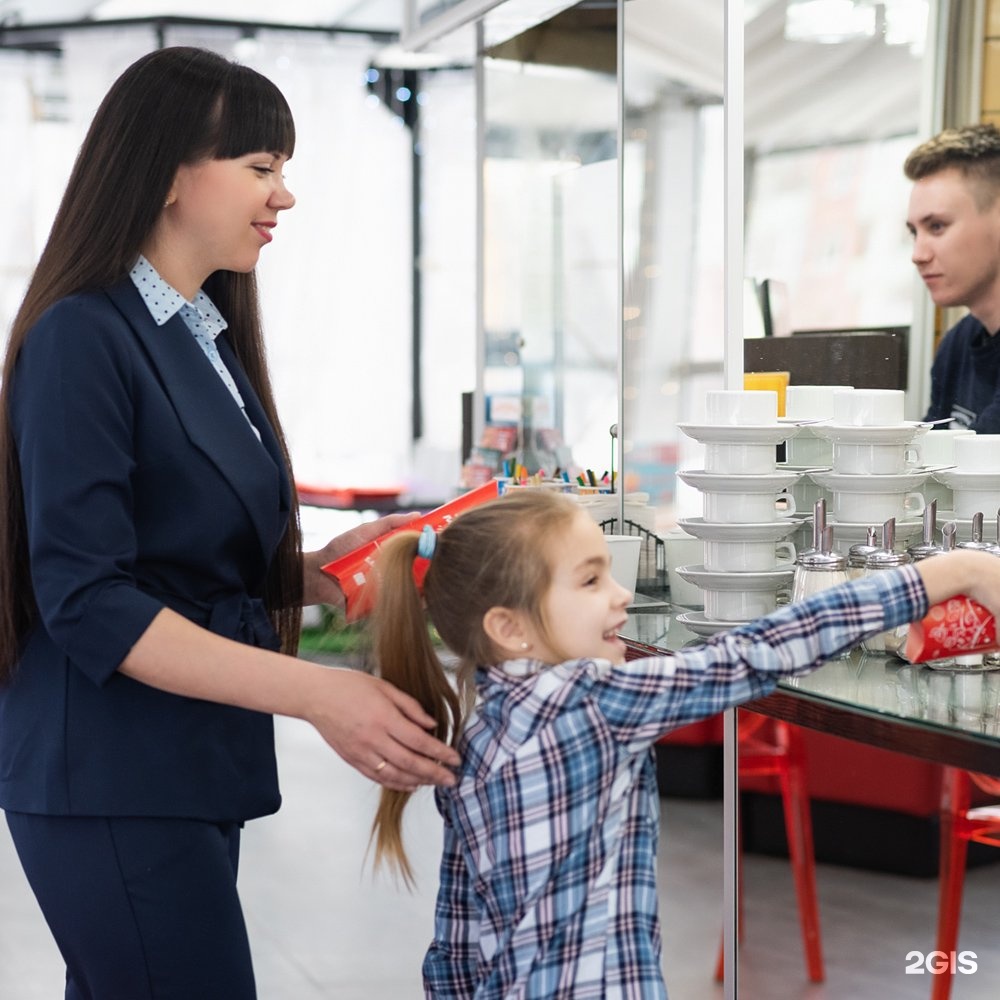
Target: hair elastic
(426, 542)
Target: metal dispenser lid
(887, 557)
(927, 546)
(948, 535)
(977, 541)
(822, 558)
(859, 551)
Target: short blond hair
(973, 150)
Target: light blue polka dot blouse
(203, 319)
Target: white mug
(740, 459)
(746, 508)
(741, 605)
(868, 407)
(968, 503)
(875, 506)
(977, 453)
(682, 549)
(810, 402)
(743, 555)
(807, 450)
(937, 447)
(869, 459)
(624, 551)
(741, 406)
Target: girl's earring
(525, 645)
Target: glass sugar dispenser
(820, 567)
(892, 640)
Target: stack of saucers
(875, 472)
(748, 515)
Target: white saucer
(724, 482)
(709, 579)
(740, 433)
(955, 479)
(695, 621)
(840, 482)
(757, 531)
(885, 434)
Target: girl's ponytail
(407, 659)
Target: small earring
(525, 645)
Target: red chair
(961, 822)
(772, 749)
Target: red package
(952, 628)
(353, 571)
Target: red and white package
(355, 570)
(952, 628)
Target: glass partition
(549, 240)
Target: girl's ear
(508, 631)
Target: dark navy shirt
(965, 378)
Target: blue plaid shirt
(548, 876)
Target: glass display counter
(949, 716)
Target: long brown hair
(491, 556)
(171, 107)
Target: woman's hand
(365, 719)
(320, 587)
(380, 731)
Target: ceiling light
(828, 21)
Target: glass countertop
(959, 702)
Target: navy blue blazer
(145, 488)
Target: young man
(954, 218)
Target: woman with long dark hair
(151, 576)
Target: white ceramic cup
(740, 605)
(868, 459)
(977, 453)
(741, 555)
(806, 492)
(624, 550)
(741, 406)
(746, 508)
(807, 450)
(740, 459)
(967, 503)
(937, 447)
(875, 506)
(868, 407)
(810, 402)
(682, 549)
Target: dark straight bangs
(253, 117)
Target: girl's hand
(974, 574)
(319, 587)
(380, 731)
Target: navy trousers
(141, 909)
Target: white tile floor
(323, 927)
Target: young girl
(548, 873)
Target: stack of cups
(974, 481)
(876, 473)
(747, 517)
(809, 450)
(937, 455)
